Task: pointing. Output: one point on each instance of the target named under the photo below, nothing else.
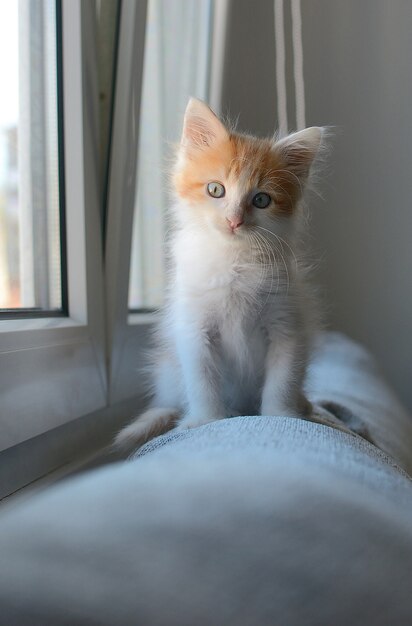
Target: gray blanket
(246, 521)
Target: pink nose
(235, 222)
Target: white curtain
(176, 66)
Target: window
(31, 200)
(52, 351)
(72, 333)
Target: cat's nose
(235, 222)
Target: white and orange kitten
(233, 335)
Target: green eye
(261, 200)
(216, 190)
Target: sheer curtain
(176, 66)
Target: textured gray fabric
(266, 539)
(343, 374)
(247, 521)
(347, 392)
(247, 439)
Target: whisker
(280, 239)
(272, 258)
(280, 253)
(251, 238)
(261, 252)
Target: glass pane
(30, 249)
(176, 66)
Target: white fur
(233, 334)
(232, 338)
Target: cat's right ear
(201, 127)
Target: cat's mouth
(237, 232)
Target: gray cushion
(250, 520)
(344, 374)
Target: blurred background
(356, 65)
(355, 76)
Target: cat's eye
(216, 190)
(261, 200)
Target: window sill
(35, 323)
(72, 448)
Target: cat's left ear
(299, 150)
(201, 127)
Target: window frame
(126, 343)
(53, 368)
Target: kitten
(234, 332)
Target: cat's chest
(226, 279)
(216, 274)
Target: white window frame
(125, 342)
(53, 369)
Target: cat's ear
(201, 127)
(299, 150)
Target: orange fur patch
(263, 168)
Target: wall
(357, 65)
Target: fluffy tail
(151, 423)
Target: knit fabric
(245, 521)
